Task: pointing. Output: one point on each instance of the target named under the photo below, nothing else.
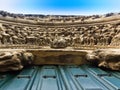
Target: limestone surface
(116, 40)
(59, 43)
(107, 58)
(14, 60)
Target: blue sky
(62, 7)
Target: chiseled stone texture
(116, 40)
(13, 60)
(59, 56)
(107, 58)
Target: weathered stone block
(13, 60)
(107, 58)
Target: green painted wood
(61, 78)
(19, 83)
(99, 72)
(113, 81)
(49, 79)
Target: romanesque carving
(88, 36)
(14, 60)
(59, 42)
(56, 32)
(5, 37)
(105, 58)
(116, 40)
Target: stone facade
(13, 60)
(57, 35)
(100, 35)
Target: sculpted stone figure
(14, 60)
(59, 43)
(116, 40)
(5, 38)
(92, 40)
(0, 39)
(69, 40)
(15, 40)
(1, 27)
(107, 58)
(31, 40)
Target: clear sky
(61, 7)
